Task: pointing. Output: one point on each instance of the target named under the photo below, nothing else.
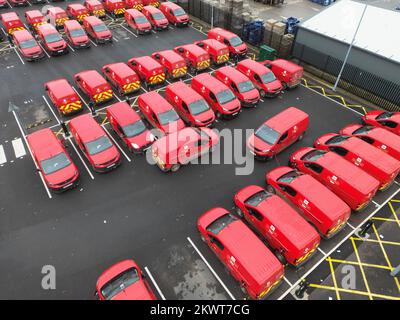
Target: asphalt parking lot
(136, 211)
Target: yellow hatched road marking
(386, 256)
(361, 267)
(394, 211)
(377, 266)
(376, 241)
(384, 219)
(362, 293)
(334, 278)
(322, 89)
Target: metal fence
(359, 82)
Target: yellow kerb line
(362, 293)
(334, 278)
(385, 255)
(361, 267)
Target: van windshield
(289, 177)
(141, 20)
(218, 225)
(168, 117)
(384, 115)
(337, 140)
(225, 96)
(268, 77)
(55, 163)
(96, 146)
(53, 37)
(100, 27)
(120, 283)
(313, 155)
(134, 129)
(198, 107)
(267, 134)
(257, 198)
(362, 130)
(236, 41)
(77, 33)
(158, 16)
(179, 12)
(28, 44)
(245, 86)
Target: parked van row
(293, 231)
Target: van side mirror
(201, 44)
(157, 56)
(180, 50)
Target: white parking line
(20, 58)
(115, 39)
(287, 281)
(211, 269)
(93, 43)
(51, 109)
(44, 50)
(350, 225)
(80, 157)
(320, 250)
(337, 245)
(116, 143)
(154, 283)
(72, 49)
(118, 98)
(129, 31)
(3, 158)
(30, 151)
(375, 203)
(19, 149)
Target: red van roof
(224, 33)
(72, 25)
(123, 113)
(374, 155)
(155, 101)
(249, 250)
(286, 119)
(122, 69)
(233, 74)
(9, 16)
(60, 88)
(76, 6)
(213, 84)
(151, 9)
(147, 62)
(254, 66)
(44, 143)
(92, 78)
(319, 195)
(93, 20)
(170, 5)
(287, 65)
(194, 49)
(22, 35)
(47, 28)
(171, 56)
(87, 127)
(348, 172)
(215, 44)
(185, 92)
(56, 10)
(288, 221)
(34, 14)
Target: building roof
(376, 33)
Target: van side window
(389, 124)
(289, 190)
(283, 137)
(233, 86)
(216, 242)
(213, 97)
(256, 214)
(339, 150)
(367, 139)
(257, 78)
(185, 107)
(314, 167)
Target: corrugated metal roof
(378, 33)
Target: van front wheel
(175, 167)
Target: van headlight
(134, 145)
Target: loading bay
(135, 211)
